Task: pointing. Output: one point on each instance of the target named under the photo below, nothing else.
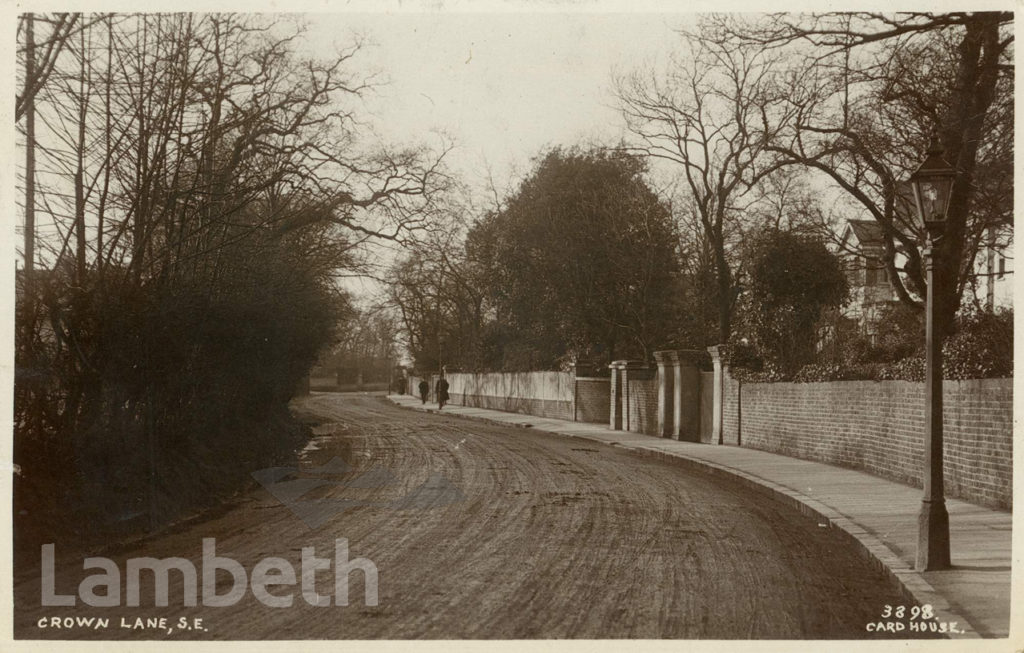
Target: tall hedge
(138, 402)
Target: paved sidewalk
(880, 515)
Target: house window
(1002, 266)
(876, 274)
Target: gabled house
(861, 248)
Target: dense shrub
(907, 369)
(794, 280)
(900, 334)
(770, 373)
(981, 348)
(747, 365)
(817, 372)
(739, 353)
(743, 359)
(136, 403)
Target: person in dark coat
(424, 389)
(442, 392)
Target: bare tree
(865, 92)
(182, 122)
(199, 183)
(41, 56)
(435, 290)
(705, 115)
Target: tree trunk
(723, 277)
(962, 129)
(80, 166)
(30, 153)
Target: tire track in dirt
(554, 539)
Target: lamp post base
(933, 536)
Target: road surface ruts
(555, 538)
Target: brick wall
(643, 406)
(731, 411)
(878, 427)
(593, 400)
(707, 405)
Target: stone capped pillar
(677, 396)
(620, 394)
(630, 369)
(717, 434)
(666, 383)
(686, 416)
(627, 418)
(575, 390)
(615, 409)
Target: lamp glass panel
(933, 195)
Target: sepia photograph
(565, 323)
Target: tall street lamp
(932, 183)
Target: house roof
(867, 232)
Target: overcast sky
(503, 85)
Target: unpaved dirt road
(552, 538)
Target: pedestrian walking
(424, 389)
(442, 391)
